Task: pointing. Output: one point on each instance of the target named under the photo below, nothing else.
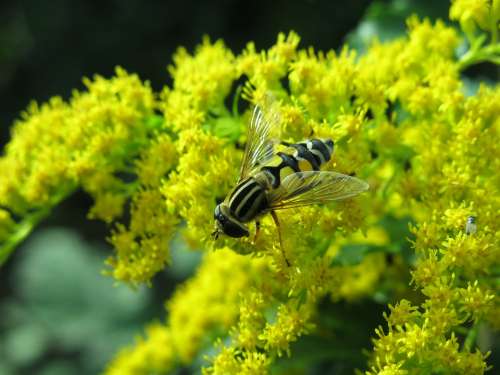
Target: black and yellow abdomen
(248, 200)
(304, 156)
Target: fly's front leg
(257, 230)
(276, 221)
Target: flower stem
(24, 227)
(489, 53)
(470, 339)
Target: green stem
(461, 330)
(236, 98)
(470, 340)
(28, 223)
(494, 30)
(23, 229)
(474, 56)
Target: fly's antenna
(215, 234)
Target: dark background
(46, 47)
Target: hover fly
(270, 181)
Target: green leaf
(154, 122)
(224, 127)
(352, 254)
(399, 235)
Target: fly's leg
(257, 230)
(276, 221)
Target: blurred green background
(58, 313)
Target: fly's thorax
(248, 199)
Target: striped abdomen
(247, 200)
(304, 156)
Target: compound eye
(218, 215)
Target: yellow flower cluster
(155, 354)
(207, 302)
(58, 146)
(476, 13)
(142, 246)
(475, 17)
(401, 120)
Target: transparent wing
(259, 147)
(313, 187)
